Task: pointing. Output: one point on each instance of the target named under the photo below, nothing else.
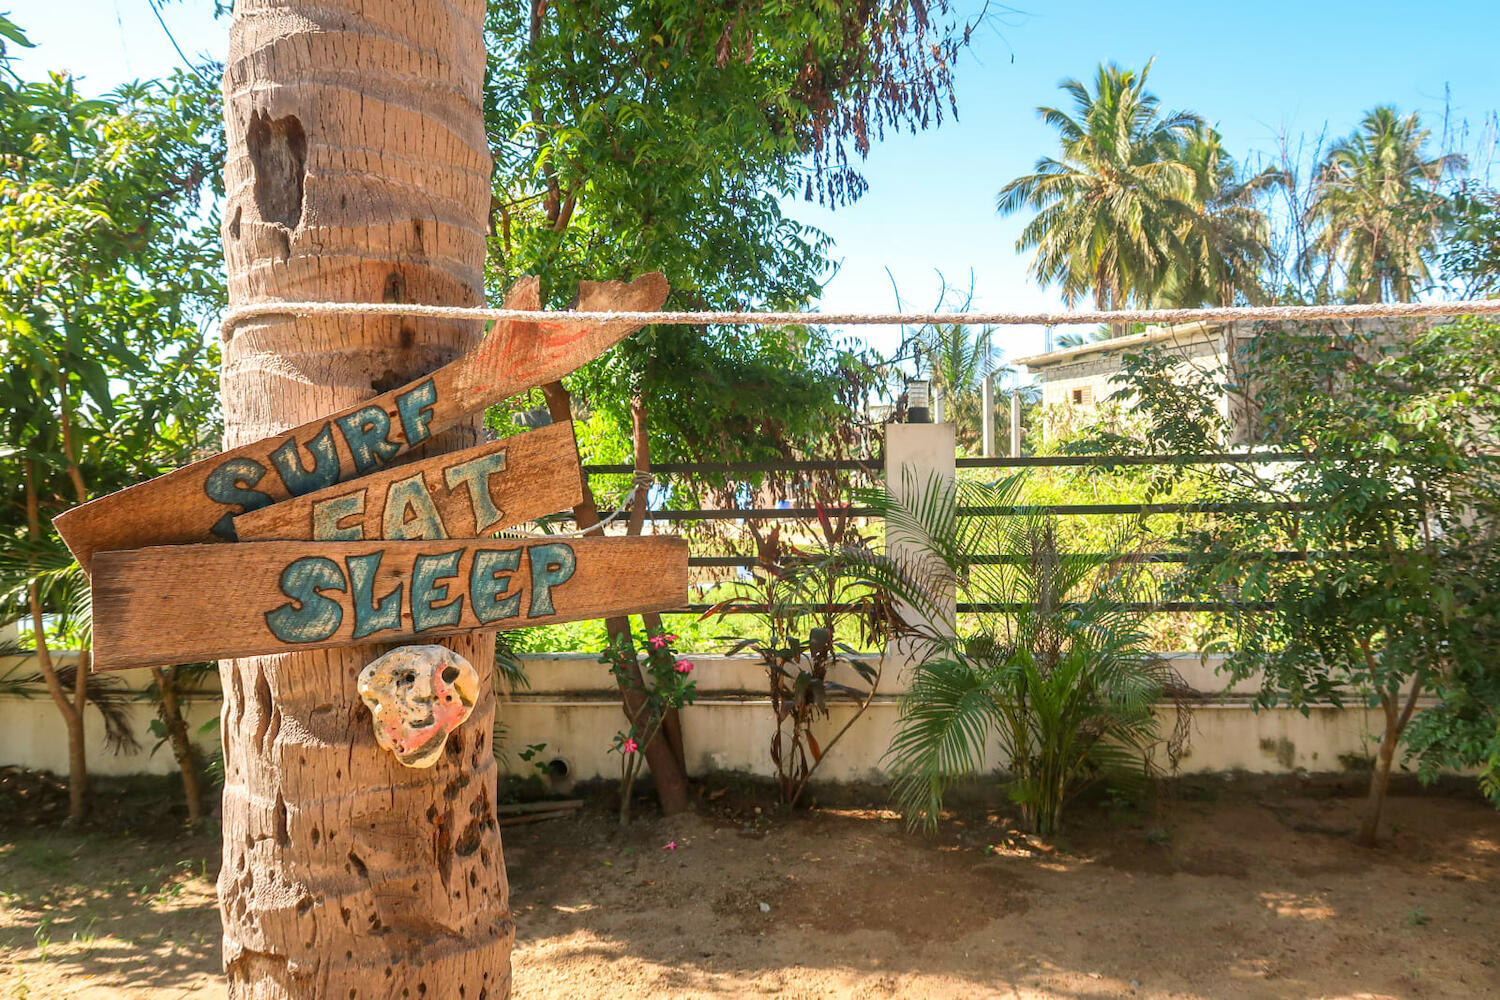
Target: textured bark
(667, 771)
(358, 170)
(72, 712)
(169, 709)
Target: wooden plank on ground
(177, 603)
(459, 494)
(198, 503)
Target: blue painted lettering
(475, 474)
(415, 408)
(327, 514)
(489, 580)
(371, 616)
(551, 564)
(325, 470)
(309, 616)
(230, 483)
(366, 431)
(409, 511)
(426, 591)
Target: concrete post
(938, 414)
(915, 455)
(1015, 425)
(988, 420)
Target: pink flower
(670, 845)
(684, 666)
(670, 637)
(657, 641)
(629, 746)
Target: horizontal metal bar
(1024, 462)
(1129, 508)
(808, 513)
(689, 468)
(1149, 557)
(1162, 606)
(1056, 461)
(758, 514)
(1006, 607)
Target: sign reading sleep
(151, 605)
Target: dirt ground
(1220, 893)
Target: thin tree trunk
(671, 723)
(169, 707)
(358, 170)
(667, 773)
(1380, 778)
(71, 711)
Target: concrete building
(1075, 381)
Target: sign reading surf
(150, 605)
(199, 502)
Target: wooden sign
(458, 494)
(176, 603)
(199, 502)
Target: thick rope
(1229, 314)
(641, 481)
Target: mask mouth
(424, 753)
(422, 725)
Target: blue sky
(1254, 69)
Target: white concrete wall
(32, 732)
(573, 708)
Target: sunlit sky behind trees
(1255, 71)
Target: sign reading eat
(458, 494)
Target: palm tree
(1227, 236)
(1377, 207)
(1110, 210)
(1054, 666)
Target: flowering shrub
(660, 681)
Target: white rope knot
(642, 480)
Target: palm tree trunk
(358, 170)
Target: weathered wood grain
(460, 494)
(176, 603)
(198, 503)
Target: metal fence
(743, 471)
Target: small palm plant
(1050, 661)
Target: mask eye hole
(450, 674)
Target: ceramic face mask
(418, 695)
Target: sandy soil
(1229, 895)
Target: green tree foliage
(1226, 235)
(109, 274)
(1107, 209)
(1377, 208)
(1471, 257)
(1365, 571)
(662, 136)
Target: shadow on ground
(1222, 889)
(1255, 894)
